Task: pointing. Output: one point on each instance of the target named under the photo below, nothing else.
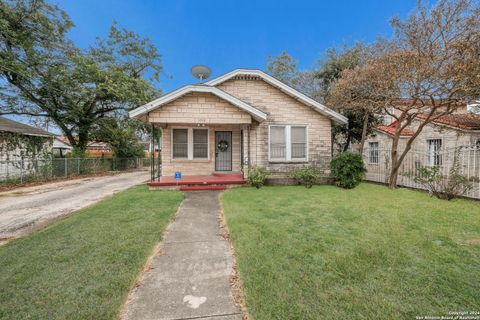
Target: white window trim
(288, 137)
(190, 144)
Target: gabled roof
(256, 114)
(466, 121)
(390, 130)
(7, 125)
(335, 116)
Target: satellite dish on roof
(201, 72)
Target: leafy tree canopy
(43, 74)
(123, 136)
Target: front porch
(215, 181)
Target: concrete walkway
(189, 277)
(23, 210)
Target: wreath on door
(222, 145)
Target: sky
(225, 35)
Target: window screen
(180, 143)
(299, 142)
(278, 144)
(200, 143)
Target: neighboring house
(93, 149)
(98, 149)
(20, 145)
(443, 134)
(61, 147)
(242, 119)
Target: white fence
(25, 170)
(378, 163)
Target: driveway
(26, 209)
(188, 278)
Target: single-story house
(242, 119)
(20, 146)
(98, 149)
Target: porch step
(222, 179)
(228, 175)
(202, 188)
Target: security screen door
(223, 151)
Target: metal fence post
(21, 169)
(65, 168)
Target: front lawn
(83, 266)
(367, 253)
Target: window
(434, 155)
(191, 143)
(180, 143)
(373, 152)
(278, 143)
(299, 142)
(200, 143)
(288, 143)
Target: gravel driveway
(26, 209)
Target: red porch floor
(207, 180)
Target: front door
(223, 150)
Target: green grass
(83, 266)
(367, 253)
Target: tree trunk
(396, 160)
(364, 131)
(392, 183)
(82, 142)
(395, 165)
(347, 143)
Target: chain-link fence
(378, 163)
(28, 170)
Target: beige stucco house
(441, 135)
(241, 119)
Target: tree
(123, 136)
(307, 83)
(335, 62)
(428, 70)
(361, 118)
(283, 67)
(43, 74)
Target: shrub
(440, 185)
(348, 169)
(306, 176)
(256, 177)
